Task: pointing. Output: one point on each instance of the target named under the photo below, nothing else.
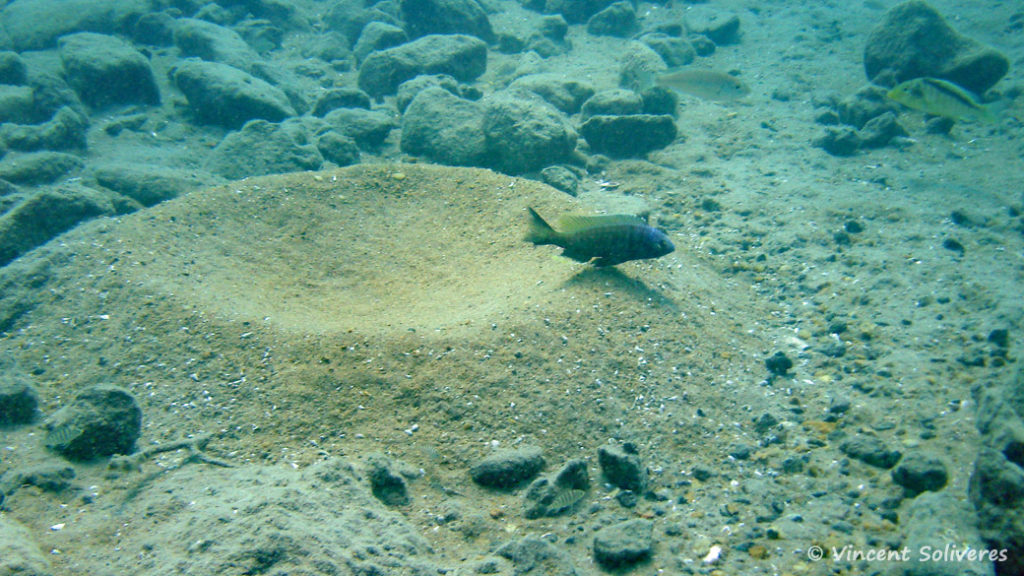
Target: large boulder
(261, 147)
(631, 136)
(106, 70)
(215, 43)
(423, 17)
(226, 96)
(444, 128)
(566, 94)
(524, 133)
(914, 40)
(36, 24)
(460, 56)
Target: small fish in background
(704, 84)
(941, 98)
(601, 240)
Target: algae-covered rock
(444, 128)
(226, 96)
(525, 134)
(101, 421)
(261, 147)
(106, 70)
(914, 40)
(461, 56)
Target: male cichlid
(601, 240)
(941, 98)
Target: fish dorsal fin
(574, 223)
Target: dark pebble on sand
(778, 363)
(853, 227)
(919, 472)
(624, 543)
(870, 450)
(1000, 337)
(622, 467)
(953, 245)
(507, 468)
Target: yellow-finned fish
(601, 240)
(704, 84)
(941, 98)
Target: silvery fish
(941, 98)
(601, 240)
(704, 84)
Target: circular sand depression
(365, 249)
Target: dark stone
(919, 472)
(617, 102)
(411, 88)
(914, 40)
(147, 185)
(532, 555)
(703, 474)
(463, 57)
(378, 36)
(561, 178)
(878, 131)
(870, 450)
(19, 403)
(65, 131)
(839, 141)
(565, 94)
(444, 128)
(1000, 337)
(423, 17)
(225, 96)
(387, 485)
(47, 477)
(524, 134)
(42, 216)
(627, 498)
(213, 43)
(105, 70)
(953, 245)
(778, 363)
(939, 125)
(553, 27)
(39, 167)
(722, 29)
(867, 103)
(673, 50)
(624, 544)
(12, 69)
(508, 468)
(557, 493)
(617, 20)
(101, 421)
(839, 405)
(853, 227)
(37, 24)
(622, 468)
(340, 98)
(154, 29)
(574, 11)
(261, 147)
(338, 148)
(702, 45)
(741, 451)
(632, 136)
(369, 128)
(996, 489)
(17, 104)
(659, 100)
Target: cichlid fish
(941, 98)
(704, 84)
(601, 240)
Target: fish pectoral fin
(606, 261)
(575, 255)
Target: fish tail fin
(540, 232)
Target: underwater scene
(511, 287)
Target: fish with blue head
(601, 240)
